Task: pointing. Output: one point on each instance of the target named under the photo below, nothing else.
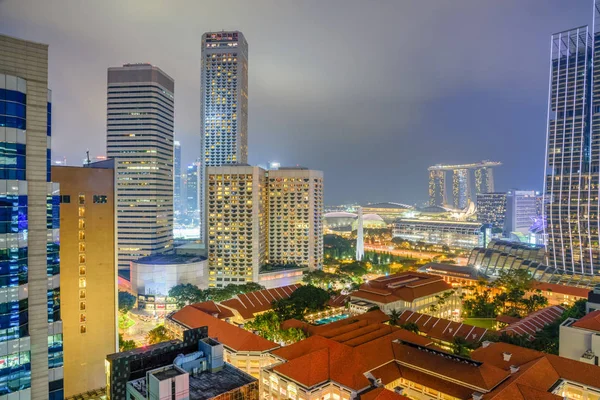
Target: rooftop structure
(580, 339)
(454, 234)
(534, 322)
(246, 306)
(388, 211)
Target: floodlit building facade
(454, 234)
(295, 203)
(224, 103)
(140, 138)
(521, 211)
(88, 272)
(31, 334)
(177, 179)
(491, 209)
(236, 223)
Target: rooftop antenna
(87, 157)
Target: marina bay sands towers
(461, 182)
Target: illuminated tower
(484, 180)
(140, 139)
(224, 103)
(360, 242)
(461, 189)
(573, 151)
(437, 187)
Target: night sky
(371, 92)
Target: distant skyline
(372, 93)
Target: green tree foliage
(125, 345)
(126, 301)
(410, 326)
(515, 280)
(354, 269)
(186, 293)
(322, 279)
(461, 347)
(481, 305)
(268, 325)
(158, 335)
(306, 299)
(394, 317)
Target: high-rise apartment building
(491, 209)
(177, 199)
(31, 355)
(573, 150)
(236, 223)
(192, 185)
(224, 103)
(88, 272)
(521, 210)
(140, 139)
(461, 188)
(256, 217)
(296, 217)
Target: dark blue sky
(371, 92)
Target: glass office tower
(573, 152)
(31, 356)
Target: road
(425, 255)
(142, 326)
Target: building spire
(360, 243)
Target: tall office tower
(88, 276)
(573, 151)
(360, 240)
(491, 209)
(224, 103)
(296, 216)
(236, 223)
(30, 328)
(437, 188)
(140, 139)
(177, 199)
(484, 180)
(521, 210)
(461, 188)
(192, 184)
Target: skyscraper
(224, 103)
(192, 184)
(30, 329)
(140, 139)
(177, 199)
(88, 272)
(461, 188)
(491, 209)
(573, 150)
(521, 210)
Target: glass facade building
(571, 187)
(491, 209)
(31, 346)
(140, 138)
(224, 104)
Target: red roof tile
(250, 304)
(406, 286)
(562, 289)
(590, 321)
(534, 322)
(442, 329)
(230, 335)
(212, 308)
(338, 301)
(382, 394)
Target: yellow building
(88, 275)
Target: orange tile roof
(212, 308)
(590, 321)
(382, 394)
(537, 370)
(507, 319)
(339, 300)
(534, 322)
(250, 304)
(442, 329)
(562, 289)
(235, 338)
(406, 286)
(309, 369)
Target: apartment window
(82, 211)
(81, 198)
(82, 329)
(82, 306)
(82, 270)
(82, 283)
(65, 199)
(81, 235)
(82, 318)
(82, 293)
(100, 199)
(82, 259)
(81, 223)
(81, 247)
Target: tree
(186, 293)
(126, 345)
(292, 335)
(394, 317)
(461, 347)
(410, 326)
(515, 280)
(305, 299)
(158, 335)
(355, 269)
(534, 302)
(126, 301)
(266, 325)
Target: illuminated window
(82, 282)
(82, 270)
(82, 247)
(82, 211)
(81, 198)
(82, 306)
(82, 293)
(100, 199)
(81, 223)
(82, 259)
(82, 329)
(82, 318)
